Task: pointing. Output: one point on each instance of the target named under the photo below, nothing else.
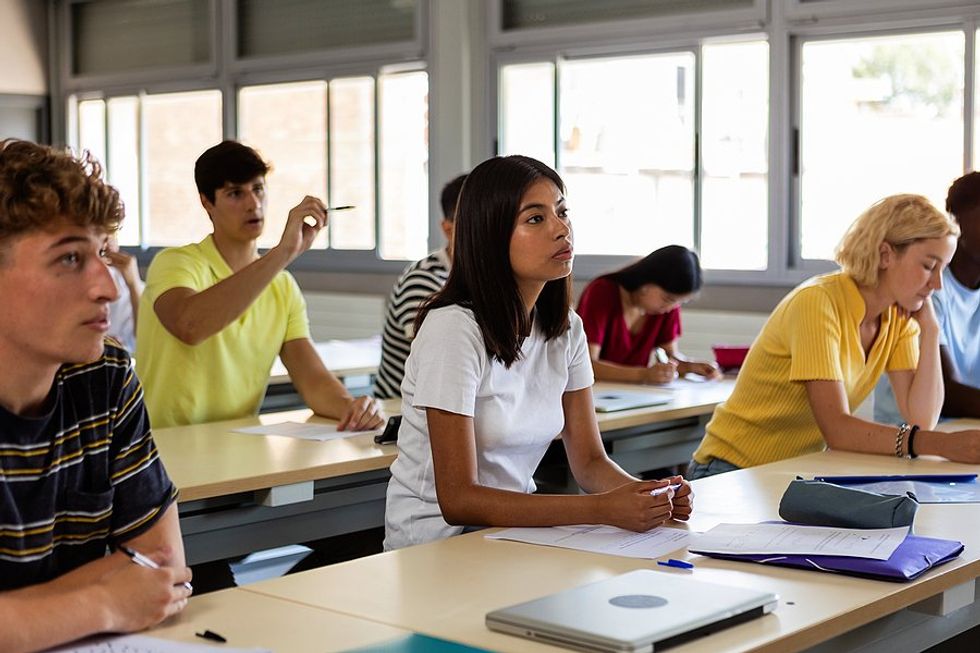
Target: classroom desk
(240, 493)
(446, 588)
(355, 362)
(249, 620)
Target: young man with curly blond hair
(81, 474)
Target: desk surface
(209, 460)
(446, 588)
(249, 620)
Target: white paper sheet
(787, 539)
(304, 431)
(143, 644)
(601, 539)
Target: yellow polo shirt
(225, 376)
(813, 334)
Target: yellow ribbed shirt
(812, 335)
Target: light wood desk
(446, 588)
(249, 620)
(240, 493)
(354, 362)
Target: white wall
(23, 47)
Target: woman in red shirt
(632, 318)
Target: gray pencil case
(817, 503)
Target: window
(878, 116)
(149, 144)
(625, 143)
(320, 138)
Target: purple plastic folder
(913, 557)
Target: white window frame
(227, 73)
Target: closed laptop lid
(613, 400)
(642, 610)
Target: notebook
(613, 400)
(642, 610)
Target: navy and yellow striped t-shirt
(83, 475)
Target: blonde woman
(829, 340)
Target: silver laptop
(613, 400)
(642, 610)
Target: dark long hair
(674, 268)
(481, 278)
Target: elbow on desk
(456, 507)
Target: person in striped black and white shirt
(417, 283)
(80, 475)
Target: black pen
(213, 636)
(143, 561)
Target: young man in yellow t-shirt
(215, 314)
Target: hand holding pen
(144, 561)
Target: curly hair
(899, 220)
(41, 185)
(964, 194)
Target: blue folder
(925, 478)
(913, 557)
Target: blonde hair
(898, 220)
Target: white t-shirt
(122, 327)
(516, 413)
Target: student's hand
(362, 414)
(706, 369)
(125, 263)
(959, 446)
(137, 598)
(633, 507)
(660, 373)
(926, 317)
(683, 501)
(298, 236)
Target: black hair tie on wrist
(912, 432)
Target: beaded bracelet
(903, 428)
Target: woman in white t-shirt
(500, 367)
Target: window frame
(227, 73)
(784, 24)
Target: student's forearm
(32, 620)
(601, 474)
(328, 397)
(606, 371)
(477, 505)
(134, 302)
(207, 312)
(849, 433)
(925, 399)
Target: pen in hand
(143, 561)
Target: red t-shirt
(602, 315)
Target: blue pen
(677, 564)
(926, 478)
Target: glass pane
(352, 162)
(91, 128)
(547, 13)
(124, 163)
(287, 124)
(878, 116)
(627, 152)
(734, 156)
(178, 127)
(271, 27)
(976, 104)
(527, 110)
(404, 110)
(117, 35)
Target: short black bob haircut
(481, 278)
(228, 161)
(674, 268)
